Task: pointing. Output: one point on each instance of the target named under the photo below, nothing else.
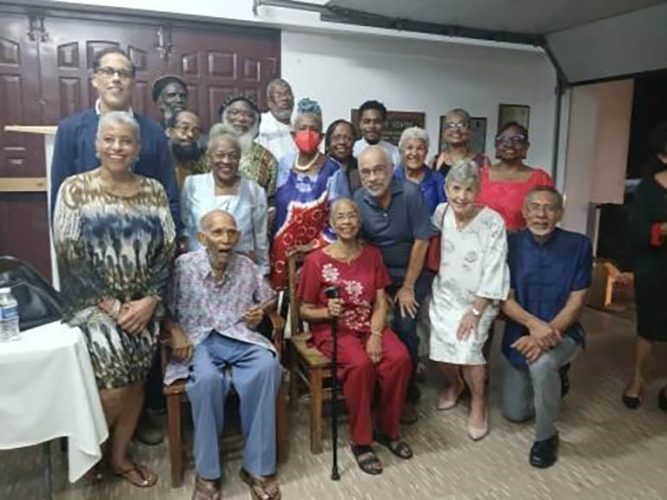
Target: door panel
(219, 63)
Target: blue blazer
(74, 153)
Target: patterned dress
(473, 263)
(302, 211)
(112, 247)
(259, 165)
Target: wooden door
(46, 76)
(216, 63)
(24, 222)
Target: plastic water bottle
(9, 316)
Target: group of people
(153, 231)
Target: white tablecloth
(47, 390)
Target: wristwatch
(475, 312)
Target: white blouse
(249, 208)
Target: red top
(357, 281)
(506, 197)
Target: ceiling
(537, 17)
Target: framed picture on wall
(513, 113)
(397, 122)
(477, 134)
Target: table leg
(48, 486)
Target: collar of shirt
(429, 176)
(98, 110)
(205, 271)
(552, 237)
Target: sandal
(261, 487)
(367, 460)
(206, 489)
(95, 474)
(399, 448)
(147, 477)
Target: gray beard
(282, 114)
(246, 139)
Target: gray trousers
(535, 392)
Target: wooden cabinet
(45, 72)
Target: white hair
(119, 117)
(413, 133)
(221, 130)
(464, 172)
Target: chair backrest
(39, 302)
(296, 325)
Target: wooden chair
(307, 365)
(175, 395)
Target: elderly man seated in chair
(217, 300)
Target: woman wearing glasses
(505, 184)
(456, 136)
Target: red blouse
(506, 197)
(357, 281)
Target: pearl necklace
(304, 168)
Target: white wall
(414, 75)
(597, 152)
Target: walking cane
(332, 292)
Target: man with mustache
(183, 132)
(170, 94)
(276, 127)
(550, 271)
(217, 300)
(395, 219)
(258, 164)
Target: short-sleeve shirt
(202, 305)
(432, 187)
(394, 229)
(542, 277)
(358, 282)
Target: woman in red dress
(369, 353)
(505, 184)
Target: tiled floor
(607, 452)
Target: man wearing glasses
(74, 149)
(74, 153)
(183, 133)
(550, 271)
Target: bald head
(215, 217)
(375, 170)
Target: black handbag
(39, 302)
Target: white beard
(245, 139)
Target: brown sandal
(206, 489)
(148, 477)
(261, 487)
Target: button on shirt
(202, 305)
(542, 277)
(395, 229)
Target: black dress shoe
(544, 453)
(564, 380)
(662, 399)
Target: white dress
(473, 263)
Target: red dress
(506, 197)
(358, 282)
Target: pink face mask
(307, 140)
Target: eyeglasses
(187, 129)
(235, 113)
(109, 72)
(515, 139)
(367, 172)
(537, 208)
(457, 125)
(233, 156)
